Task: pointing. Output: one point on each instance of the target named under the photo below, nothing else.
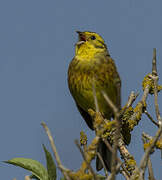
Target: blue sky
(36, 45)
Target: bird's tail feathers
(106, 155)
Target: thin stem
(103, 164)
(117, 134)
(85, 159)
(150, 170)
(94, 96)
(151, 118)
(155, 79)
(144, 160)
(62, 168)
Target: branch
(144, 160)
(151, 118)
(150, 170)
(155, 79)
(85, 159)
(61, 167)
(117, 134)
(132, 97)
(120, 162)
(94, 96)
(103, 164)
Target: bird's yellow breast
(82, 75)
(87, 52)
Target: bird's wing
(117, 83)
(86, 116)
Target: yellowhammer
(92, 64)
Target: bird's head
(90, 41)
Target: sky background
(37, 41)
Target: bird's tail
(106, 155)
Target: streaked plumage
(92, 64)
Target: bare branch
(125, 175)
(61, 167)
(110, 103)
(94, 96)
(131, 99)
(146, 136)
(144, 160)
(103, 164)
(150, 170)
(111, 177)
(154, 66)
(155, 78)
(151, 118)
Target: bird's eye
(93, 37)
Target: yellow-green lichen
(80, 176)
(147, 145)
(138, 111)
(130, 164)
(109, 125)
(83, 138)
(148, 81)
(125, 125)
(158, 144)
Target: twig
(144, 160)
(61, 167)
(132, 97)
(154, 66)
(103, 164)
(125, 175)
(140, 105)
(117, 134)
(145, 93)
(150, 170)
(146, 136)
(111, 177)
(97, 110)
(85, 159)
(110, 103)
(150, 117)
(94, 96)
(155, 79)
(111, 149)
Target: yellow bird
(91, 66)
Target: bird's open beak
(82, 38)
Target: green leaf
(51, 167)
(34, 166)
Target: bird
(91, 66)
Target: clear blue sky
(36, 45)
